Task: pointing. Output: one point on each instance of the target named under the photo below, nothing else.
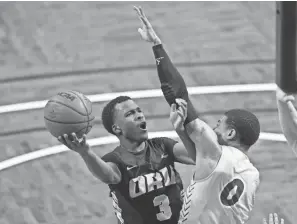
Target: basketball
(68, 112)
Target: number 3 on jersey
(162, 201)
(231, 193)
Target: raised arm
(173, 86)
(170, 79)
(287, 117)
(107, 172)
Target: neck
(132, 146)
(240, 147)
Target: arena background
(94, 48)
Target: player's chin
(143, 135)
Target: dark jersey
(148, 193)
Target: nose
(139, 116)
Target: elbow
(192, 162)
(107, 178)
(110, 180)
(103, 178)
(192, 156)
(189, 161)
(113, 178)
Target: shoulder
(233, 154)
(164, 143)
(112, 156)
(237, 160)
(244, 168)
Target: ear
(231, 134)
(116, 129)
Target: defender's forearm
(99, 168)
(172, 83)
(168, 74)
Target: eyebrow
(137, 108)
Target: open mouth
(142, 125)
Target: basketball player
(224, 182)
(288, 117)
(145, 186)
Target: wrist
(157, 41)
(85, 152)
(180, 130)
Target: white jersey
(226, 196)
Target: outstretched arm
(172, 83)
(173, 86)
(107, 172)
(287, 117)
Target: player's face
(223, 131)
(131, 121)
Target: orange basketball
(68, 112)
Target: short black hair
(246, 124)
(108, 112)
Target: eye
(128, 114)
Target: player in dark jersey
(145, 186)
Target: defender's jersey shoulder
(237, 161)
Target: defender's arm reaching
(170, 78)
(173, 86)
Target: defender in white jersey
(224, 184)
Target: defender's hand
(283, 97)
(273, 219)
(147, 32)
(75, 145)
(178, 116)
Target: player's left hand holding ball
(79, 146)
(147, 32)
(178, 115)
